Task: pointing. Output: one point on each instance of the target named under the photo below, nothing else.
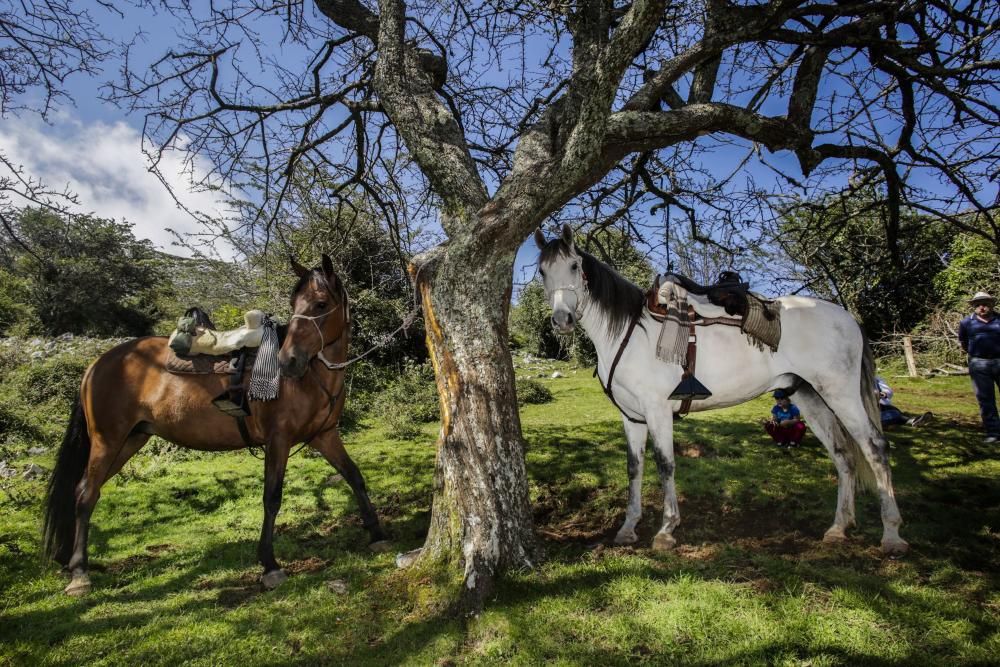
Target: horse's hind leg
(105, 461)
(331, 447)
(636, 435)
(875, 449)
(825, 426)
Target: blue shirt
(980, 339)
(781, 415)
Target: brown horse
(127, 395)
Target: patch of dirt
(563, 517)
(157, 549)
(694, 450)
(126, 565)
(235, 597)
(312, 564)
(701, 552)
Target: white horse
(823, 355)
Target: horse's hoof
(895, 548)
(273, 579)
(407, 559)
(380, 547)
(78, 586)
(626, 537)
(664, 542)
(835, 536)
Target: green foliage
(14, 307)
(973, 265)
(532, 392)
(36, 396)
(228, 316)
(409, 402)
(83, 275)
(843, 246)
(56, 379)
(530, 323)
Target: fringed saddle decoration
(759, 318)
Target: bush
(532, 392)
(56, 378)
(409, 401)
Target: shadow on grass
(752, 517)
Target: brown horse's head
(320, 317)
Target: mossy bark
(481, 516)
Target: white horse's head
(561, 268)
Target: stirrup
(690, 389)
(226, 405)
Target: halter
(581, 302)
(333, 366)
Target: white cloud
(103, 164)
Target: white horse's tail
(865, 477)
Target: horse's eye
(541, 273)
(574, 267)
(321, 305)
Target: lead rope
(382, 342)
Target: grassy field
(175, 575)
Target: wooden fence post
(911, 364)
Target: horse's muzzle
(563, 321)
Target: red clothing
(786, 434)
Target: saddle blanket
(203, 364)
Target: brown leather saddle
(236, 365)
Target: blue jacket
(980, 339)
(781, 415)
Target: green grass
(175, 575)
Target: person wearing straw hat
(979, 336)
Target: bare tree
(496, 115)
(42, 44)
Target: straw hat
(984, 298)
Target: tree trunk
(481, 515)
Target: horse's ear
(296, 267)
(567, 234)
(539, 238)
(328, 267)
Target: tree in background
(83, 274)
(42, 44)
(973, 265)
(843, 249)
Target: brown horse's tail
(60, 511)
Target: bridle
(331, 365)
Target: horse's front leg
(275, 460)
(636, 450)
(332, 448)
(662, 429)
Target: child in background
(785, 426)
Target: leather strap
(692, 353)
(614, 365)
